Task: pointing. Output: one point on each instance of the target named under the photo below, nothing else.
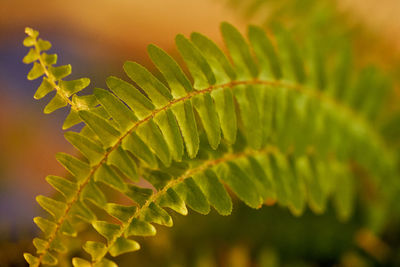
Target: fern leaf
(197, 64)
(95, 249)
(265, 52)
(123, 245)
(120, 159)
(153, 137)
(91, 150)
(216, 59)
(137, 147)
(76, 167)
(191, 194)
(154, 89)
(217, 169)
(261, 111)
(209, 118)
(168, 125)
(43, 64)
(239, 51)
(140, 228)
(66, 188)
(180, 86)
(124, 117)
(45, 225)
(101, 127)
(171, 200)
(110, 177)
(214, 192)
(141, 106)
(176, 79)
(295, 64)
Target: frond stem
(51, 78)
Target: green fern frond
(257, 126)
(253, 175)
(43, 64)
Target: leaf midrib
(52, 79)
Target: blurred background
(96, 38)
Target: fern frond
(43, 64)
(260, 117)
(253, 175)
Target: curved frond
(257, 126)
(53, 79)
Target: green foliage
(259, 127)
